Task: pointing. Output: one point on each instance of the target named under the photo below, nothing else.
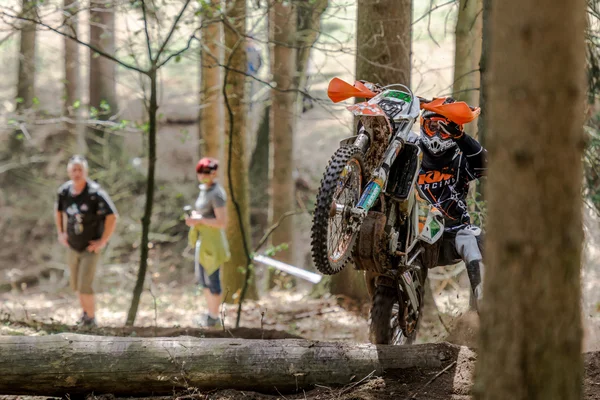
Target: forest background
(37, 142)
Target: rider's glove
(374, 87)
(453, 129)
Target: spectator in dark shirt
(90, 221)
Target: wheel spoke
(346, 194)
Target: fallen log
(77, 364)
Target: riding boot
(474, 273)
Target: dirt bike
(370, 210)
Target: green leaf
(104, 105)
(76, 104)
(19, 100)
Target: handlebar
(459, 111)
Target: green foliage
(145, 127)
(271, 251)
(477, 209)
(185, 135)
(104, 106)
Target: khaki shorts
(83, 268)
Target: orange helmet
(433, 137)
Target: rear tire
(385, 316)
(387, 311)
(341, 185)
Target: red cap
(207, 165)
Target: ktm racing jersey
(444, 180)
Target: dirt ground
(278, 315)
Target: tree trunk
(282, 27)
(486, 40)
(383, 37)
(467, 55)
(26, 73)
(308, 29)
(26, 79)
(102, 78)
(147, 218)
(211, 107)
(350, 282)
(238, 213)
(71, 98)
(75, 364)
(531, 320)
(259, 175)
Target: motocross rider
(452, 159)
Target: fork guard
(371, 245)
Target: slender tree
(71, 68)
(486, 40)
(467, 54)
(258, 174)
(26, 70)
(102, 73)
(310, 13)
(26, 78)
(531, 320)
(210, 131)
(282, 28)
(237, 270)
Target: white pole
(290, 269)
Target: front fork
(380, 177)
(376, 185)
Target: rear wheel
(333, 231)
(386, 316)
(390, 319)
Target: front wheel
(333, 229)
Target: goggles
(431, 127)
